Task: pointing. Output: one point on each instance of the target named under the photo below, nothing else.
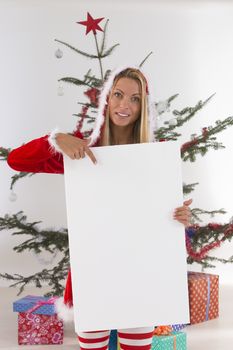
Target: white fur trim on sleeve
(52, 141)
(64, 312)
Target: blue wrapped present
(178, 327)
(35, 304)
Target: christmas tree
(200, 239)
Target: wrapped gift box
(203, 296)
(174, 327)
(173, 341)
(37, 321)
(178, 327)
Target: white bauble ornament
(43, 261)
(58, 53)
(60, 90)
(162, 106)
(172, 122)
(12, 196)
(39, 256)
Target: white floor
(213, 335)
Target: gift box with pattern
(174, 327)
(173, 341)
(203, 296)
(178, 327)
(38, 323)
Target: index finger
(90, 155)
(188, 202)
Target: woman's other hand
(74, 147)
(183, 214)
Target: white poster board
(128, 257)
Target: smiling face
(125, 102)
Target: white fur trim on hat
(63, 311)
(52, 141)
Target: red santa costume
(43, 155)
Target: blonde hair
(141, 127)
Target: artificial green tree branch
(197, 212)
(54, 277)
(4, 153)
(49, 240)
(206, 140)
(183, 117)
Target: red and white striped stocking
(129, 339)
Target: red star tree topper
(91, 24)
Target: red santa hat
(64, 306)
(103, 101)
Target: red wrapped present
(203, 296)
(37, 321)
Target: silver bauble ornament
(12, 196)
(172, 122)
(60, 90)
(58, 53)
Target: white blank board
(128, 257)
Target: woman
(124, 116)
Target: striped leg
(94, 340)
(136, 338)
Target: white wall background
(193, 55)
